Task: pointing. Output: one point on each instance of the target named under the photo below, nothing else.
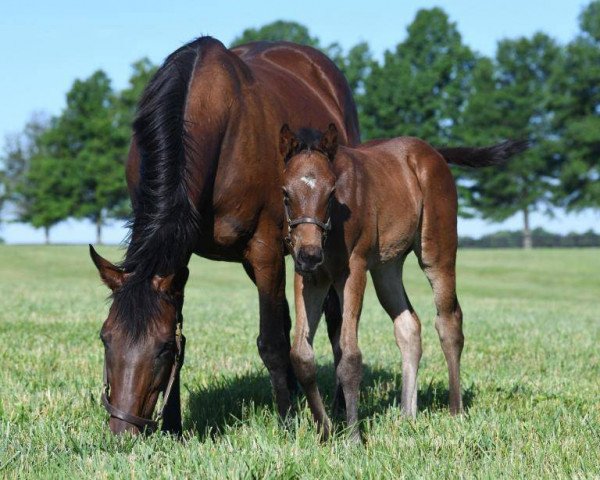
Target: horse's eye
(167, 349)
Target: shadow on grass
(223, 402)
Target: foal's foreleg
(333, 317)
(309, 296)
(349, 369)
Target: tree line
(431, 85)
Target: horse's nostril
(310, 257)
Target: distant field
(531, 378)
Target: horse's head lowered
(308, 192)
(143, 344)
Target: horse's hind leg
(387, 279)
(309, 296)
(436, 251)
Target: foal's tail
(484, 156)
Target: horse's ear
(287, 142)
(172, 284)
(329, 141)
(112, 276)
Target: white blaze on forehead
(309, 180)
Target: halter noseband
(325, 226)
(149, 424)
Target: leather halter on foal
(149, 424)
(325, 226)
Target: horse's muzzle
(308, 259)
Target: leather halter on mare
(149, 424)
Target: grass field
(531, 378)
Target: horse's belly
(397, 234)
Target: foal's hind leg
(387, 279)
(436, 251)
(309, 296)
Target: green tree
(510, 100)
(88, 141)
(278, 30)
(422, 86)
(18, 150)
(127, 99)
(46, 193)
(577, 120)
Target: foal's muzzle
(308, 259)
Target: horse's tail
(165, 221)
(474, 157)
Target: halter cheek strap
(149, 424)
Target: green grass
(531, 378)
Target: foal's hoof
(325, 428)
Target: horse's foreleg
(349, 369)
(172, 412)
(333, 317)
(309, 296)
(264, 263)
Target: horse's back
(293, 69)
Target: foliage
(576, 99)
(540, 237)
(530, 377)
(509, 99)
(275, 31)
(422, 86)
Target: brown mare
(204, 178)
(353, 210)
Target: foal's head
(143, 345)
(308, 191)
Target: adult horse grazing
(205, 177)
(350, 210)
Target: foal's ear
(329, 141)
(288, 143)
(112, 276)
(172, 284)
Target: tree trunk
(527, 242)
(47, 235)
(99, 229)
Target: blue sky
(46, 45)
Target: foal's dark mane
(308, 139)
(165, 222)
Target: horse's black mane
(164, 223)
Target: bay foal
(353, 210)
